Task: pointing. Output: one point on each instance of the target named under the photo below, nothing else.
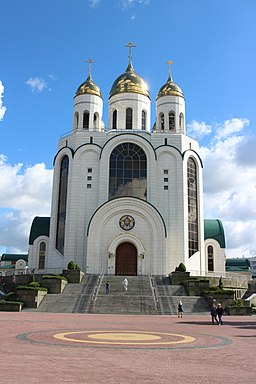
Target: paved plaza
(75, 348)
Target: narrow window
(192, 207)
(114, 119)
(95, 121)
(89, 186)
(128, 118)
(143, 120)
(89, 170)
(161, 118)
(166, 179)
(165, 187)
(41, 259)
(62, 204)
(181, 122)
(86, 120)
(210, 258)
(171, 121)
(76, 119)
(165, 171)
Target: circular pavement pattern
(123, 339)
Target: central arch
(126, 260)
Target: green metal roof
(213, 229)
(40, 227)
(238, 263)
(14, 257)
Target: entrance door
(126, 260)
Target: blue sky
(44, 46)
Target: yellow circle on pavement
(124, 338)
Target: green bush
(181, 268)
(34, 284)
(60, 277)
(238, 302)
(2, 302)
(220, 283)
(10, 296)
(29, 288)
(72, 265)
(217, 291)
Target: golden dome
(88, 87)
(170, 89)
(129, 82)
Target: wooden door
(126, 260)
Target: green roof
(213, 229)
(240, 263)
(40, 227)
(14, 257)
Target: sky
(43, 52)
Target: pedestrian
(219, 312)
(214, 314)
(180, 309)
(107, 287)
(125, 284)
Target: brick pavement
(76, 348)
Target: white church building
(127, 199)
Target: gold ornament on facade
(89, 87)
(170, 88)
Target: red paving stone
(31, 354)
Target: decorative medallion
(127, 222)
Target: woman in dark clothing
(219, 312)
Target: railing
(97, 286)
(154, 291)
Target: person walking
(125, 284)
(219, 312)
(107, 287)
(180, 309)
(214, 314)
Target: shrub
(60, 277)
(29, 288)
(238, 302)
(181, 268)
(220, 283)
(2, 302)
(217, 291)
(10, 296)
(72, 265)
(34, 284)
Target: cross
(89, 61)
(130, 45)
(169, 63)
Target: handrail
(154, 291)
(97, 286)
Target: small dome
(89, 88)
(129, 82)
(170, 89)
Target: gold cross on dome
(90, 61)
(169, 63)
(130, 45)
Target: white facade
(123, 200)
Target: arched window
(95, 120)
(128, 124)
(114, 119)
(171, 121)
(181, 122)
(143, 120)
(161, 120)
(192, 207)
(128, 172)
(86, 120)
(210, 258)
(76, 119)
(41, 259)
(62, 204)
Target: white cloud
(230, 184)
(198, 130)
(2, 107)
(36, 84)
(25, 192)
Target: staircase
(169, 296)
(90, 297)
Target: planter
(238, 311)
(73, 275)
(178, 278)
(11, 307)
(30, 297)
(54, 286)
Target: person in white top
(125, 284)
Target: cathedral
(127, 199)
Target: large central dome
(130, 82)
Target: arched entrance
(126, 260)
